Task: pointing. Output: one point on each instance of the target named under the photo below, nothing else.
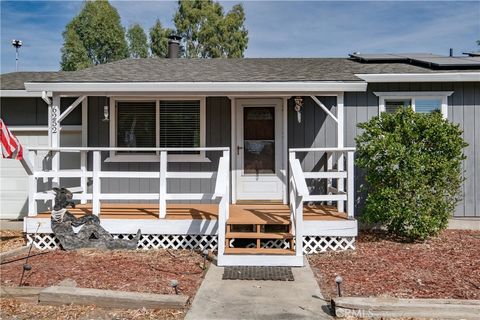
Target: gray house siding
(317, 130)
(18, 111)
(217, 135)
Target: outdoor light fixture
(105, 114)
(174, 284)
(298, 108)
(338, 281)
(205, 256)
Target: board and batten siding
(318, 130)
(218, 134)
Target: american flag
(11, 147)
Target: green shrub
(412, 163)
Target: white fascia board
(198, 87)
(422, 77)
(22, 94)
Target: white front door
(259, 149)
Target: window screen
(180, 125)
(427, 105)
(136, 126)
(391, 106)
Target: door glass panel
(259, 140)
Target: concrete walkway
(241, 299)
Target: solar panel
(449, 62)
(429, 59)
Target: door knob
(238, 149)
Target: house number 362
(54, 120)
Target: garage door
(14, 181)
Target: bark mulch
(12, 309)
(447, 266)
(10, 239)
(139, 271)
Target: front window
(157, 123)
(136, 124)
(419, 101)
(391, 106)
(180, 125)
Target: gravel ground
(11, 239)
(139, 271)
(447, 266)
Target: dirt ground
(447, 266)
(10, 239)
(140, 271)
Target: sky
(276, 28)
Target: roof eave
(421, 77)
(199, 87)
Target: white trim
(71, 108)
(284, 169)
(22, 94)
(420, 77)
(199, 87)
(413, 95)
(113, 157)
(233, 130)
(260, 260)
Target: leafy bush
(412, 163)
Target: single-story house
(253, 158)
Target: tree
(159, 39)
(74, 54)
(208, 32)
(137, 42)
(98, 29)
(412, 162)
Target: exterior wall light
(298, 108)
(105, 114)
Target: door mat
(258, 273)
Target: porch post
(162, 195)
(350, 185)
(83, 155)
(32, 185)
(54, 130)
(96, 188)
(340, 144)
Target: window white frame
(413, 96)
(114, 157)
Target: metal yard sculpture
(91, 233)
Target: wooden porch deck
(244, 213)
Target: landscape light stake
(26, 265)
(205, 255)
(174, 284)
(338, 281)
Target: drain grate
(258, 273)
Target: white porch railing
(335, 192)
(96, 196)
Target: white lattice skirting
(46, 241)
(311, 244)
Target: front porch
(195, 226)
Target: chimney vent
(451, 52)
(174, 46)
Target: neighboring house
(251, 157)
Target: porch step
(259, 251)
(258, 235)
(262, 220)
